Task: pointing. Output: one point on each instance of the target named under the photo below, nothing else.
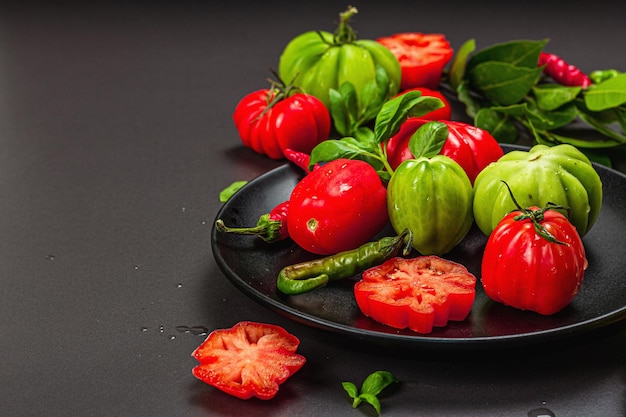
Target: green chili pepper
(306, 276)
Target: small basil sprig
(370, 145)
(503, 90)
(371, 387)
(228, 192)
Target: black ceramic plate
(252, 265)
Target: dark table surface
(116, 138)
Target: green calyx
(537, 216)
(344, 33)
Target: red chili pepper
(271, 226)
(300, 159)
(562, 72)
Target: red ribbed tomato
(272, 120)
(529, 270)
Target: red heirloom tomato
(248, 360)
(417, 293)
(272, 120)
(523, 269)
(337, 207)
(471, 147)
(422, 57)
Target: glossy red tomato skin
(471, 147)
(521, 269)
(422, 57)
(337, 207)
(248, 360)
(298, 122)
(418, 293)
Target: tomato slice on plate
(418, 293)
(422, 57)
(249, 359)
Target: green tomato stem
(345, 33)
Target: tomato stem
(536, 216)
(345, 33)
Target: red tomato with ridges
(522, 269)
(422, 57)
(337, 207)
(269, 124)
(418, 293)
(471, 147)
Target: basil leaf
(377, 381)
(607, 94)
(464, 95)
(554, 119)
(228, 192)
(375, 93)
(396, 110)
(522, 53)
(498, 124)
(372, 400)
(351, 389)
(503, 83)
(459, 63)
(339, 112)
(552, 96)
(332, 149)
(428, 140)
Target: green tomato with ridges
(560, 174)
(433, 198)
(317, 61)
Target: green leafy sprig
(504, 91)
(370, 145)
(371, 387)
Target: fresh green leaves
(371, 387)
(348, 113)
(503, 90)
(370, 145)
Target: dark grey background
(115, 139)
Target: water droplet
(182, 329)
(136, 267)
(161, 329)
(183, 209)
(144, 329)
(203, 222)
(172, 337)
(179, 285)
(50, 257)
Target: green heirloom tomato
(433, 198)
(560, 174)
(318, 61)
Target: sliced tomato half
(418, 293)
(422, 57)
(248, 360)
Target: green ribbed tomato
(318, 61)
(560, 174)
(433, 198)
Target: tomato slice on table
(248, 360)
(418, 293)
(422, 57)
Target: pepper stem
(537, 216)
(266, 229)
